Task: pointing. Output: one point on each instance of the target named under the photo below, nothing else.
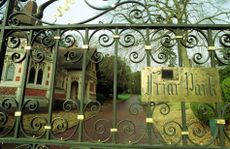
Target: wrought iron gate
(30, 46)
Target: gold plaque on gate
(180, 84)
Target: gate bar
(122, 26)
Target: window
(40, 75)
(3, 71)
(32, 75)
(36, 74)
(10, 72)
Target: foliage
(135, 83)
(209, 114)
(123, 97)
(225, 85)
(203, 112)
(105, 82)
(100, 97)
(224, 73)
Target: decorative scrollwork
(18, 57)
(127, 127)
(99, 126)
(104, 7)
(73, 56)
(172, 130)
(3, 119)
(167, 41)
(69, 41)
(37, 54)
(223, 56)
(7, 122)
(135, 108)
(199, 131)
(45, 38)
(41, 146)
(59, 125)
(33, 126)
(199, 58)
(9, 103)
(97, 57)
(225, 40)
(13, 20)
(162, 57)
(15, 38)
(93, 106)
(98, 129)
(48, 40)
(15, 42)
(105, 40)
(24, 146)
(128, 40)
(71, 38)
(203, 109)
(36, 127)
(134, 57)
(165, 109)
(31, 104)
(70, 104)
(189, 41)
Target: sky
(74, 11)
(71, 11)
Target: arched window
(32, 75)
(3, 71)
(10, 72)
(40, 76)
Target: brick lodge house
(68, 79)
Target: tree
(134, 83)
(173, 12)
(225, 83)
(105, 81)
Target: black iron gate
(33, 83)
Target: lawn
(123, 97)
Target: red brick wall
(59, 96)
(8, 90)
(35, 92)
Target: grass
(123, 97)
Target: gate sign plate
(180, 84)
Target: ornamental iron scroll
(138, 36)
